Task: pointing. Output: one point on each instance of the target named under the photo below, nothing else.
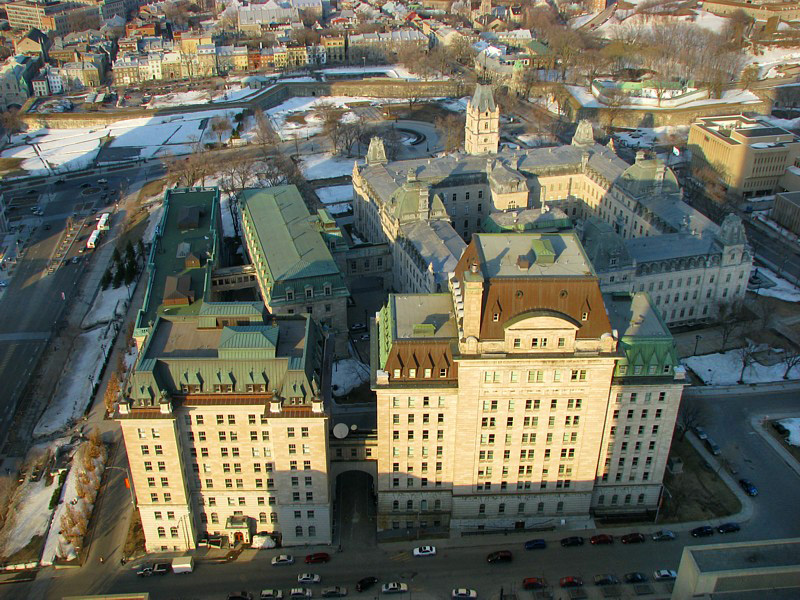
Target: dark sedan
(535, 545)
(366, 583)
(600, 539)
(635, 577)
(574, 540)
(632, 538)
(703, 531)
(729, 528)
(500, 556)
(748, 487)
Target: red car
(534, 583)
(571, 581)
(602, 538)
(317, 557)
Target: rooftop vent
(424, 330)
(523, 262)
(543, 249)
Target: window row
(411, 402)
(536, 376)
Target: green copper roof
(238, 338)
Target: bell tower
(482, 130)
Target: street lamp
(130, 482)
(696, 341)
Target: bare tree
(451, 130)
(790, 359)
(220, 126)
(729, 315)
(11, 121)
(749, 76)
(692, 414)
(111, 393)
(747, 357)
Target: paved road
(31, 306)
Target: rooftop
(436, 242)
(173, 243)
(669, 245)
(428, 316)
(747, 555)
(791, 197)
(292, 246)
(532, 255)
(634, 315)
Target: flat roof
(791, 197)
(633, 315)
(747, 555)
(761, 131)
(500, 254)
(432, 310)
(168, 256)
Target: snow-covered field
(347, 374)
(724, 369)
(46, 150)
(339, 209)
(74, 389)
(178, 99)
(392, 71)
(783, 290)
(326, 166)
(622, 19)
(107, 304)
(793, 425)
(585, 97)
(29, 513)
(335, 193)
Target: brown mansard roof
(421, 355)
(510, 297)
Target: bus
(102, 222)
(92, 241)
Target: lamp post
(696, 341)
(130, 482)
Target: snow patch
(107, 305)
(326, 166)
(724, 369)
(793, 425)
(347, 374)
(29, 513)
(335, 193)
(783, 290)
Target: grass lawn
(697, 493)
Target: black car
(365, 583)
(632, 538)
(729, 528)
(574, 540)
(635, 577)
(703, 531)
(748, 487)
(500, 556)
(606, 579)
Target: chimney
(523, 262)
(473, 301)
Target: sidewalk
(758, 422)
(494, 541)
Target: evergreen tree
(118, 275)
(106, 279)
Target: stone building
(295, 271)
(583, 180)
(749, 155)
(522, 394)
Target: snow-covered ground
(724, 369)
(339, 209)
(793, 425)
(335, 193)
(177, 99)
(769, 59)
(153, 221)
(108, 303)
(74, 390)
(347, 374)
(326, 166)
(623, 19)
(55, 544)
(29, 513)
(587, 99)
(783, 290)
(646, 137)
(392, 71)
(458, 105)
(46, 150)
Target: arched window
(560, 507)
(298, 531)
(262, 517)
(396, 505)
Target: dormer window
(496, 317)
(327, 289)
(412, 373)
(584, 316)
(396, 374)
(289, 295)
(442, 372)
(309, 292)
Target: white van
(183, 564)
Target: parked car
(713, 447)
(308, 578)
(3, 283)
(606, 579)
(425, 551)
(281, 560)
(317, 557)
(748, 487)
(632, 538)
(600, 539)
(635, 577)
(334, 592)
(300, 593)
(365, 583)
(729, 528)
(700, 433)
(570, 581)
(702, 531)
(271, 594)
(358, 327)
(85, 184)
(500, 556)
(535, 544)
(394, 587)
(664, 575)
(534, 583)
(463, 594)
(780, 427)
(574, 540)
(663, 535)
(144, 571)
(243, 595)
(103, 180)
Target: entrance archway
(355, 509)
